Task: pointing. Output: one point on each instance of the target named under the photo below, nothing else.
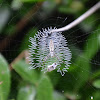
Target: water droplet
(92, 97)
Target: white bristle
(46, 45)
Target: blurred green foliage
(19, 19)
(5, 79)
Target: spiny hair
(39, 51)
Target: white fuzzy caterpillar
(49, 51)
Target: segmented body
(51, 48)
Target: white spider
(49, 51)
(51, 48)
(52, 53)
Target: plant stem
(78, 20)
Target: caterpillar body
(49, 51)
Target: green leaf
(95, 75)
(4, 17)
(44, 89)
(26, 93)
(27, 74)
(83, 62)
(83, 69)
(88, 24)
(93, 44)
(54, 77)
(1, 1)
(16, 4)
(72, 7)
(4, 79)
(96, 95)
(31, 0)
(96, 83)
(25, 42)
(58, 96)
(72, 96)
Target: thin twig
(19, 26)
(79, 20)
(23, 54)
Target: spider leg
(46, 57)
(58, 58)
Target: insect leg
(46, 57)
(58, 58)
